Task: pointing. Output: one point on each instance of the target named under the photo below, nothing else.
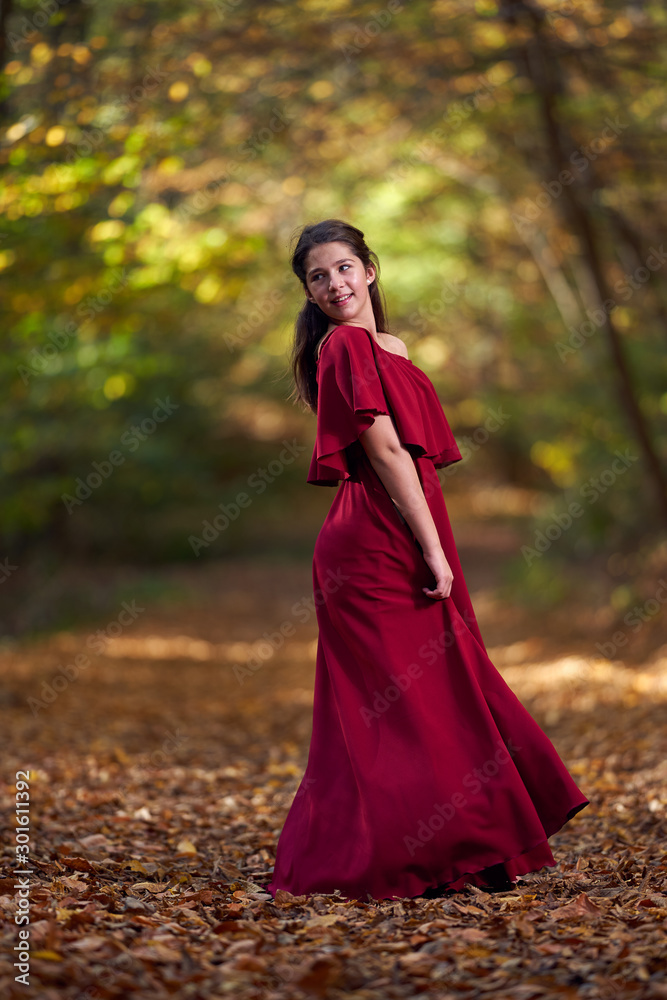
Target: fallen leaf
(580, 907)
(78, 864)
(156, 951)
(90, 943)
(186, 847)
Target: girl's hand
(436, 562)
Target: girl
(424, 772)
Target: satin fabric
(424, 768)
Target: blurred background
(506, 163)
(158, 633)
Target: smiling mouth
(344, 298)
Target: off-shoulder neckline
(394, 354)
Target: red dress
(424, 768)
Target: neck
(366, 318)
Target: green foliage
(159, 156)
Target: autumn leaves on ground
(161, 772)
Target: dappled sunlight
(578, 684)
(183, 647)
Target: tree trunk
(543, 68)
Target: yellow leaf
(322, 920)
(136, 866)
(50, 956)
(186, 847)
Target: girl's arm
(395, 467)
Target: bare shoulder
(395, 344)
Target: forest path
(161, 770)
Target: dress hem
(462, 877)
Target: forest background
(505, 161)
(158, 628)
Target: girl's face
(337, 281)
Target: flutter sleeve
(350, 395)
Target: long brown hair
(311, 323)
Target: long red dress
(424, 768)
